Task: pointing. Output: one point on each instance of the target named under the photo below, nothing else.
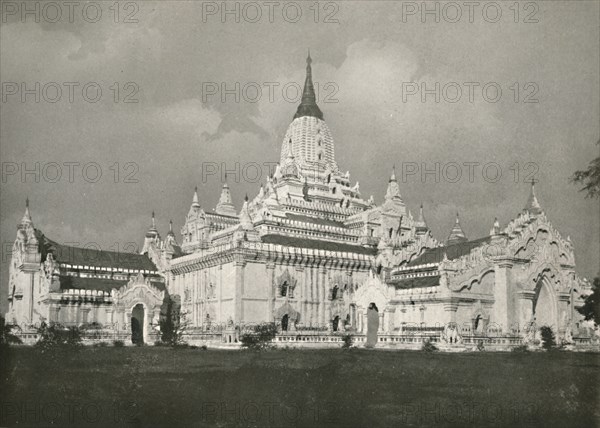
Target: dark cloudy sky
(369, 58)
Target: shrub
(55, 336)
(480, 346)
(260, 338)
(7, 337)
(118, 343)
(548, 338)
(173, 322)
(347, 340)
(428, 346)
(204, 347)
(520, 349)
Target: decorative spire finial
(27, 216)
(533, 206)
(308, 106)
(195, 202)
(457, 235)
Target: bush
(204, 347)
(7, 337)
(348, 341)
(428, 346)
(480, 346)
(173, 322)
(118, 343)
(55, 336)
(260, 338)
(520, 349)
(548, 338)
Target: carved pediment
(138, 289)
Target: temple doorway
(137, 324)
(478, 325)
(284, 322)
(544, 307)
(336, 323)
(372, 325)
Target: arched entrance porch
(138, 314)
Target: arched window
(284, 322)
(284, 289)
(334, 292)
(391, 232)
(336, 323)
(320, 156)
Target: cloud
(190, 114)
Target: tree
(261, 338)
(173, 322)
(591, 305)
(7, 337)
(589, 178)
(548, 337)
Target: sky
(109, 113)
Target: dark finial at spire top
(308, 106)
(27, 202)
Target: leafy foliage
(589, 178)
(56, 336)
(591, 306)
(118, 343)
(172, 322)
(480, 346)
(548, 337)
(428, 346)
(261, 337)
(520, 349)
(7, 337)
(347, 340)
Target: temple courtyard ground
(156, 386)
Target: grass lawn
(150, 386)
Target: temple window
(286, 290)
(334, 293)
(391, 232)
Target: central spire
(308, 106)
